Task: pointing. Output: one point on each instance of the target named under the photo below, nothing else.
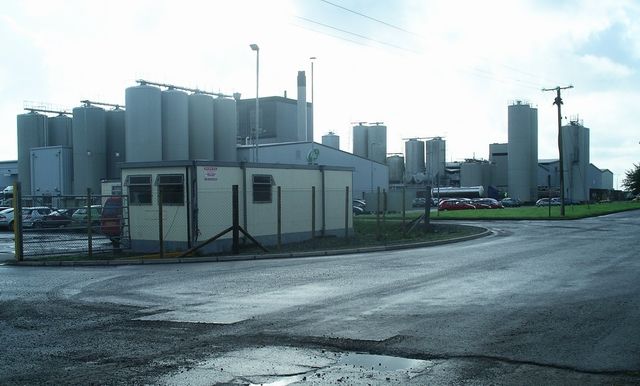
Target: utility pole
(558, 102)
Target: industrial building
(435, 160)
(8, 173)
(368, 175)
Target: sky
(424, 68)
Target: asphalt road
(536, 303)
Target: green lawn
(523, 213)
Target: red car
(111, 222)
(454, 205)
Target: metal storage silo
(31, 133)
(332, 140)
(143, 124)
(115, 134)
(201, 140)
(225, 129)
(360, 144)
(396, 168)
(175, 125)
(377, 143)
(575, 157)
(89, 148)
(522, 157)
(414, 152)
(435, 158)
(59, 131)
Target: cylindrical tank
(377, 143)
(332, 140)
(115, 134)
(225, 129)
(414, 153)
(360, 145)
(396, 168)
(475, 174)
(31, 133)
(435, 158)
(143, 124)
(89, 148)
(59, 131)
(575, 157)
(201, 140)
(522, 152)
(175, 125)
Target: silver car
(6, 219)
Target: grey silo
(360, 144)
(115, 134)
(414, 153)
(89, 148)
(201, 139)
(59, 131)
(575, 144)
(143, 124)
(175, 125)
(31, 134)
(435, 157)
(377, 143)
(522, 157)
(396, 168)
(225, 129)
(332, 140)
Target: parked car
(545, 202)
(56, 219)
(487, 203)
(31, 215)
(6, 219)
(454, 204)
(509, 202)
(419, 202)
(111, 220)
(360, 203)
(80, 216)
(357, 210)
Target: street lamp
(255, 48)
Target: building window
(139, 190)
(172, 188)
(262, 188)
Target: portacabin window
(262, 188)
(171, 188)
(139, 189)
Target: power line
(357, 35)
(370, 18)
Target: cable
(358, 35)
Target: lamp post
(255, 48)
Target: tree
(632, 180)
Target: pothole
(380, 362)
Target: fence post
(89, 224)
(236, 220)
(427, 208)
(279, 209)
(346, 214)
(313, 212)
(378, 214)
(404, 209)
(384, 212)
(17, 220)
(160, 223)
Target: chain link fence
(69, 226)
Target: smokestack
(302, 106)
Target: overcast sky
(424, 68)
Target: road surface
(538, 302)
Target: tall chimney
(302, 106)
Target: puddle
(281, 382)
(379, 362)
